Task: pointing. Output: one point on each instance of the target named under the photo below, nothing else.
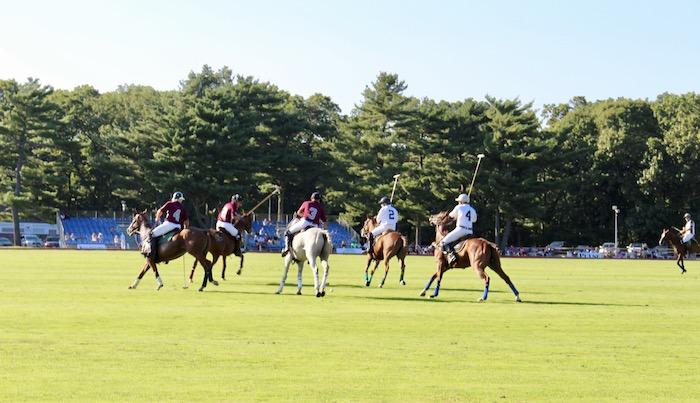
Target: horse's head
(440, 220)
(137, 221)
(245, 223)
(664, 235)
(368, 226)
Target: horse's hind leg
(439, 274)
(326, 267)
(481, 272)
(207, 273)
(499, 270)
(403, 269)
(194, 265)
(139, 277)
(371, 274)
(428, 284)
(314, 269)
(300, 268)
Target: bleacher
(80, 231)
(266, 236)
(269, 235)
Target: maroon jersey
(174, 212)
(227, 212)
(312, 210)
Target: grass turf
(589, 330)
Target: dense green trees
(550, 177)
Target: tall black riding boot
(290, 237)
(451, 254)
(370, 246)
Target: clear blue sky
(541, 51)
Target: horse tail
(495, 261)
(327, 243)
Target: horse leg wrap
(486, 292)
(515, 290)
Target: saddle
(167, 237)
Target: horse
(194, 242)
(678, 246)
(223, 244)
(477, 252)
(385, 247)
(308, 245)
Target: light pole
(617, 211)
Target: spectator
(116, 241)
(93, 237)
(122, 240)
(100, 237)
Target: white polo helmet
(686, 215)
(463, 198)
(178, 196)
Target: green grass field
(588, 331)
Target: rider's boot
(152, 246)
(449, 250)
(370, 246)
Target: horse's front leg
(207, 273)
(139, 277)
(681, 263)
(367, 278)
(428, 284)
(285, 269)
(387, 257)
(194, 265)
(440, 273)
(240, 266)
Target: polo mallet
(478, 162)
(274, 192)
(396, 179)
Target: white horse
(308, 245)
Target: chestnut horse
(477, 252)
(678, 246)
(223, 244)
(385, 247)
(194, 242)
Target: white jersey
(689, 227)
(465, 216)
(388, 215)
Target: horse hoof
(201, 289)
(191, 281)
(131, 287)
(422, 294)
(402, 282)
(214, 282)
(433, 296)
(323, 293)
(278, 291)
(366, 283)
(159, 287)
(223, 278)
(238, 273)
(298, 292)
(480, 300)
(517, 299)
(318, 295)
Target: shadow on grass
(575, 303)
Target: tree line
(548, 175)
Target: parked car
(5, 242)
(607, 249)
(555, 248)
(662, 252)
(637, 250)
(32, 241)
(51, 242)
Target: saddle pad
(167, 237)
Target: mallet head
(480, 156)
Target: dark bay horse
(477, 252)
(194, 242)
(673, 237)
(385, 247)
(223, 244)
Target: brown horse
(387, 246)
(477, 252)
(673, 237)
(223, 244)
(191, 241)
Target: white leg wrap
(159, 281)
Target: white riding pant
(228, 227)
(383, 227)
(687, 237)
(300, 225)
(455, 234)
(164, 228)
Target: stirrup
(285, 251)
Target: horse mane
(439, 218)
